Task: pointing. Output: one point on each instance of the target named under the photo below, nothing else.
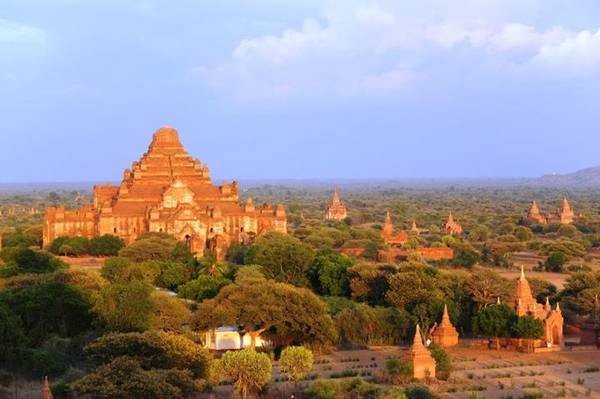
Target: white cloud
(576, 56)
(12, 32)
(364, 46)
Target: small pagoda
(452, 226)
(420, 358)
(387, 233)
(445, 334)
(336, 210)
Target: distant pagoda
(451, 226)
(336, 210)
(387, 232)
(564, 215)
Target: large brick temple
(168, 191)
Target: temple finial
(498, 301)
(522, 273)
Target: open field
(478, 372)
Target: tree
(555, 262)
(49, 308)
(328, 273)
(169, 313)
(106, 245)
(365, 325)
(12, 336)
(283, 257)
(172, 274)
(156, 246)
(26, 260)
(296, 362)
(153, 350)
(125, 378)
(443, 362)
(486, 286)
(283, 313)
(125, 306)
(249, 273)
(414, 285)
(523, 233)
(249, 370)
(465, 255)
(529, 327)
(398, 370)
(115, 269)
(495, 321)
(370, 284)
(204, 287)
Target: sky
(301, 89)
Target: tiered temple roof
(451, 226)
(336, 210)
(167, 190)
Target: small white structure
(230, 338)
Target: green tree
(156, 246)
(153, 350)
(495, 321)
(49, 308)
(398, 370)
(12, 336)
(125, 378)
(443, 362)
(249, 370)
(529, 327)
(523, 233)
(172, 274)
(328, 273)
(169, 313)
(283, 313)
(283, 258)
(204, 287)
(106, 245)
(296, 362)
(125, 306)
(556, 262)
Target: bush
(105, 245)
(443, 363)
(172, 274)
(204, 287)
(296, 362)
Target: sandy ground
(479, 373)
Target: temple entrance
(555, 336)
(188, 241)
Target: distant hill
(589, 177)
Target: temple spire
(418, 341)
(445, 316)
(388, 218)
(46, 391)
(522, 273)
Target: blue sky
(301, 89)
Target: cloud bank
(367, 48)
